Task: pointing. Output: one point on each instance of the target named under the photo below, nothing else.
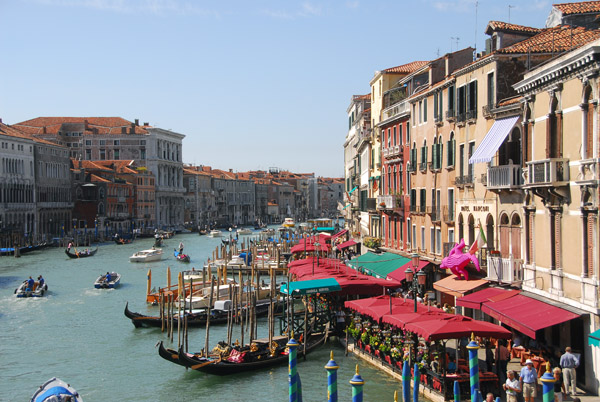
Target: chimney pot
(137, 122)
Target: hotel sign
(475, 208)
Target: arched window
(489, 232)
(588, 125)
(515, 236)
(554, 131)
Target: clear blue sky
(252, 84)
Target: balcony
(397, 109)
(486, 111)
(386, 151)
(423, 166)
(506, 177)
(547, 173)
(466, 180)
(434, 213)
(472, 114)
(589, 172)
(450, 114)
(448, 214)
(504, 270)
(386, 202)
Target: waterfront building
(359, 128)
(561, 150)
(200, 210)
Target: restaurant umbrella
(399, 320)
(456, 327)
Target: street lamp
(316, 246)
(415, 280)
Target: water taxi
(288, 223)
(154, 254)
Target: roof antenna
(475, 46)
(456, 38)
(509, 7)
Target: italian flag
(479, 241)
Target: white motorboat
(154, 254)
(215, 233)
(288, 223)
(108, 283)
(200, 300)
(244, 231)
(24, 289)
(56, 390)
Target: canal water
(80, 335)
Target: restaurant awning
(326, 285)
(400, 275)
(457, 287)
(346, 244)
(338, 234)
(493, 139)
(594, 338)
(476, 299)
(456, 327)
(400, 320)
(378, 265)
(526, 315)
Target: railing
(504, 270)
(387, 202)
(460, 117)
(504, 177)
(471, 114)
(434, 213)
(547, 172)
(386, 152)
(396, 109)
(465, 180)
(450, 114)
(589, 171)
(448, 213)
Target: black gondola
(81, 254)
(193, 320)
(123, 241)
(171, 355)
(258, 359)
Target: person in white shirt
(512, 387)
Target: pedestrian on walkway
(569, 362)
(559, 385)
(512, 387)
(502, 359)
(529, 381)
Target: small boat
(288, 223)
(38, 291)
(81, 254)
(251, 357)
(154, 254)
(113, 282)
(123, 241)
(180, 256)
(158, 241)
(215, 233)
(55, 390)
(244, 231)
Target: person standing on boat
(108, 277)
(30, 283)
(181, 247)
(40, 281)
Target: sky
(251, 84)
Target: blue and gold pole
(406, 381)
(456, 391)
(416, 383)
(548, 385)
(473, 367)
(357, 383)
(332, 367)
(293, 386)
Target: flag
(479, 241)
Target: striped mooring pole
(332, 368)
(473, 367)
(456, 391)
(548, 385)
(406, 382)
(357, 383)
(416, 383)
(293, 386)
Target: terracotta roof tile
(578, 8)
(505, 26)
(406, 68)
(104, 125)
(17, 132)
(557, 39)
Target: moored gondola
(81, 254)
(259, 356)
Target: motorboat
(111, 283)
(244, 231)
(201, 299)
(55, 390)
(154, 254)
(215, 233)
(288, 223)
(36, 291)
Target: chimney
(146, 124)
(43, 129)
(137, 122)
(85, 124)
(230, 170)
(0, 120)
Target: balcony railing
(506, 177)
(450, 114)
(448, 213)
(547, 172)
(387, 202)
(434, 213)
(589, 171)
(399, 108)
(466, 180)
(471, 114)
(504, 270)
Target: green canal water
(80, 335)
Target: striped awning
(493, 139)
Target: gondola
(123, 241)
(81, 254)
(180, 256)
(251, 360)
(193, 320)
(171, 355)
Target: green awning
(594, 338)
(378, 265)
(312, 286)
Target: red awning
(455, 327)
(338, 234)
(526, 315)
(345, 244)
(400, 320)
(399, 273)
(475, 300)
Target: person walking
(529, 381)
(559, 385)
(502, 359)
(569, 362)
(511, 386)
